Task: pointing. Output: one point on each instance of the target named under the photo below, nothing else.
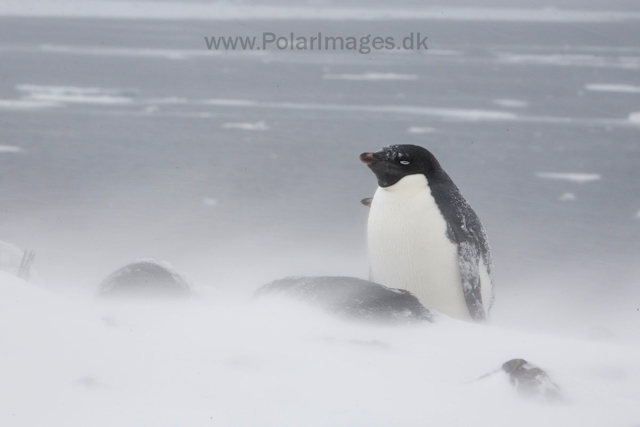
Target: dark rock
(144, 279)
(352, 298)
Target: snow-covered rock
(351, 298)
(145, 278)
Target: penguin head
(394, 162)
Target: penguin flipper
(367, 201)
(465, 230)
(469, 260)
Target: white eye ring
(404, 162)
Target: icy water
(182, 153)
(125, 138)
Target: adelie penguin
(424, 237)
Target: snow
(579, 178)
(208, 361)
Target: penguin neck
(408, 185)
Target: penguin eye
(404, 162)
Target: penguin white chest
(409, 248)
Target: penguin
(424, 237)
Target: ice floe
(612, 88)
(510, 103)
(130, 52)
(370, 76)
(9, 149)
(170, 100)
(40, 96)
(418, 129)
(573, 177)
(635, 117)
(176, 54)
(25, 104)
(261, 125)
(567, 197)
(209, 201)
(74, 94)
(445, 113)
(231, 102)
(578, 60)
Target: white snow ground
(69, 361)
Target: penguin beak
(369, 158)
